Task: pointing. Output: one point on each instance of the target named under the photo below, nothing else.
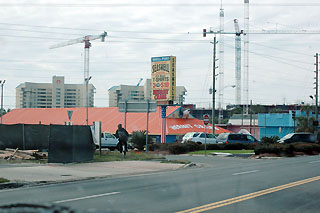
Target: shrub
(234, 146)
(177, 148)
(272, 139)
(307, 148)
(266, 148)
(138, 139)
(159, 146)
(213, 146)
(192, 146)
(287, 149)
(154, 146)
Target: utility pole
(214, 83)
(317, 92)
(2, 83)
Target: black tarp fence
(70, 144)
(24, 136)
(65, 144)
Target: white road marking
(247, 172)
(87, 197)
(316, 161)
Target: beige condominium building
(53, 95)
(137, 93)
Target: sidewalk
(69, 172)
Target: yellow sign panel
(163, 78)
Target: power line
(158, 5)
(37, 31)
(109, 31)
(272, 47)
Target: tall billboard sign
(163, 78)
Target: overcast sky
(281, 66)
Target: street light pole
(87, 98)
(2, 83)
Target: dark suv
(298, 137)
(236, 138)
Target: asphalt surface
(218, 183)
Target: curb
(11, 185)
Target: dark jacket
(122, 134)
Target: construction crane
(86, 40)
(237, 61)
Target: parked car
(108, 140)
(236, 138)
(199, 137)
(298, 137)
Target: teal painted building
(277, 124)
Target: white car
(199, 138)
(108, 140)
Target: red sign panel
(206, 119)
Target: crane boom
(263, 31)
(85, 39)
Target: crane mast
(221, 65)
(246, 57)
(237, 62)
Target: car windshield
(241, 137)
(287, 136)
(222, 137)
(210, 136)
(196, 134)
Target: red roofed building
(178, 123)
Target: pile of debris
(16, 154)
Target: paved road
(264, 186)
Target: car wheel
(199, 143)
(97, 146)
(112, 148)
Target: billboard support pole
(147, 126)
(163, 127)
(125, 114)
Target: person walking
(122, 135)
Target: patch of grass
(201, 152)
(176, 161)
(3, 180)
(116, 156)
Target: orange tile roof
(110, 117)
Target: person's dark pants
(125, 146)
